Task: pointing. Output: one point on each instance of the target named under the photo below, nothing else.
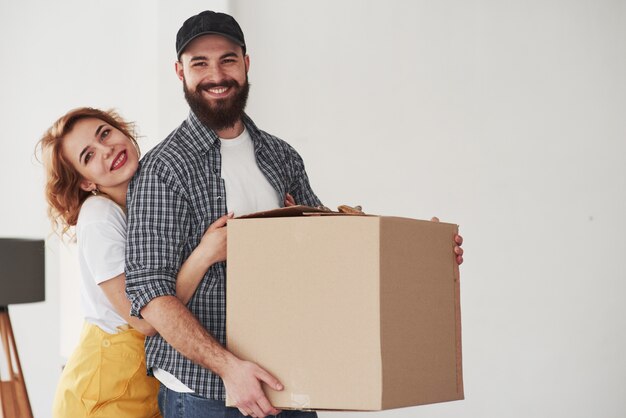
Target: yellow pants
(106, 377)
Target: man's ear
(178, 66)
(88, 186)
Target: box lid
(297, 210)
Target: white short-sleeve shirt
(101, 238)
(247, 189)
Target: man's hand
(289, 200)
(458, 240)
(183, 332)
(242, 380)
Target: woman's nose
(105, 150)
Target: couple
(157, 266)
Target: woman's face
(102, 155)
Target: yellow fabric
(106, 378)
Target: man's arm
(300, 188)
(158, 224)
(183, 332)
(114, 291)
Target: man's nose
(215, 73)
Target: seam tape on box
(300, 401)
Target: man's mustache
(208, 85)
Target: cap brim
(232, 38)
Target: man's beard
(222, 113)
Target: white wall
(505, 117)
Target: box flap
(297, 210)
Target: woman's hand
(210, 250)
(213, 242)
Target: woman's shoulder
(100, 209)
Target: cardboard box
(348, 312)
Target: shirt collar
(203, 138)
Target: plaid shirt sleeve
(300, 188)
(158, 223)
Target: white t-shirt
(247, 188)
(101, 238)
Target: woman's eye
(88, 157)
(105, 133)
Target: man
(181, 189)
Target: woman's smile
(119, 161)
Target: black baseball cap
(206, 23)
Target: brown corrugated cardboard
(348, 312)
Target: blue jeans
(189, 405)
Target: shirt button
(106, 343)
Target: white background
(506, 117)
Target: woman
(90, 156)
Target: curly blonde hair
(62, 190)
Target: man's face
(215, 81)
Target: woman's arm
(212, 249)
(115, 291)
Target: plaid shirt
(174, 197)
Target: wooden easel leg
(13, 395)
